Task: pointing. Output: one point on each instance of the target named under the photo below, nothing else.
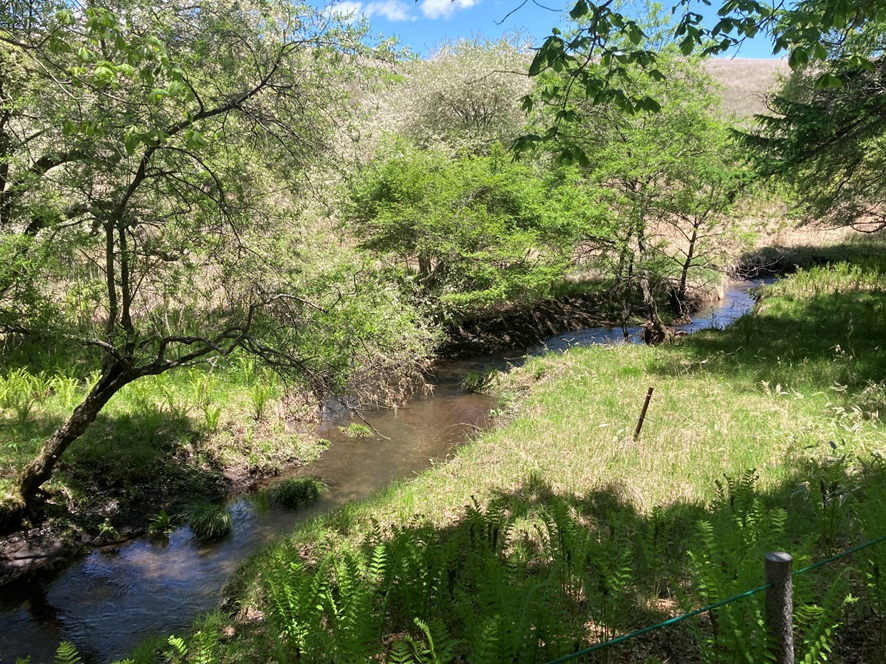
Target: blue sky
(423, 24)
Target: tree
(464, 96)
(829, 140)
(665, 177)
(472, 231)
(150, 160)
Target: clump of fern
(293, 492)
(208, 521)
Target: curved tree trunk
(23, 494)
(680, 294)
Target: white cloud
(347, 9)
(444, 8)
(393, 10)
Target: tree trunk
(656, 331)
(680, 295)
(20, 501)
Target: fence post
(643, 413)
(780, 605)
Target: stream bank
(112, 516)
(109, 601)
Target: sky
(424, 24)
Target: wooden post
(780, 605)
(643, 414)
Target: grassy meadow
(559, 530)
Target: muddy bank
(523, 327)
(519, 328)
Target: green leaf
(826, 81)
(132, 138)
(195, 139)
(649, 104)
(103, 72)
(65, 17)
(580, 9)
(157, 95)
(67, 654)
(799, 57)
(538, 62)
(177, 89)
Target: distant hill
(745, 81)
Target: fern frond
(67, 654)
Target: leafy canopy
(609, 41)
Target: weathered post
(643, 414)
(780, 605)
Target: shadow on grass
(532, 575)
(777, 259)
(125, 465)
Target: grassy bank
(160, 442)
(765, 435)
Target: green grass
(208, 521)
(295, 491)
(768, 432)
(356, 430)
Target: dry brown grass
(745, 81)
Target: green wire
(672, 621)
(840, 555)
(710, 607)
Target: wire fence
(711, 607)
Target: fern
(67, 654)
(179, 652)
(402, 652)
(441, 646)
(727, 560)
(485, 647)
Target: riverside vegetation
(558, 530)
(172, 309)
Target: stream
(109, 601)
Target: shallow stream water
(107, 602)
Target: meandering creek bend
(107, 602)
